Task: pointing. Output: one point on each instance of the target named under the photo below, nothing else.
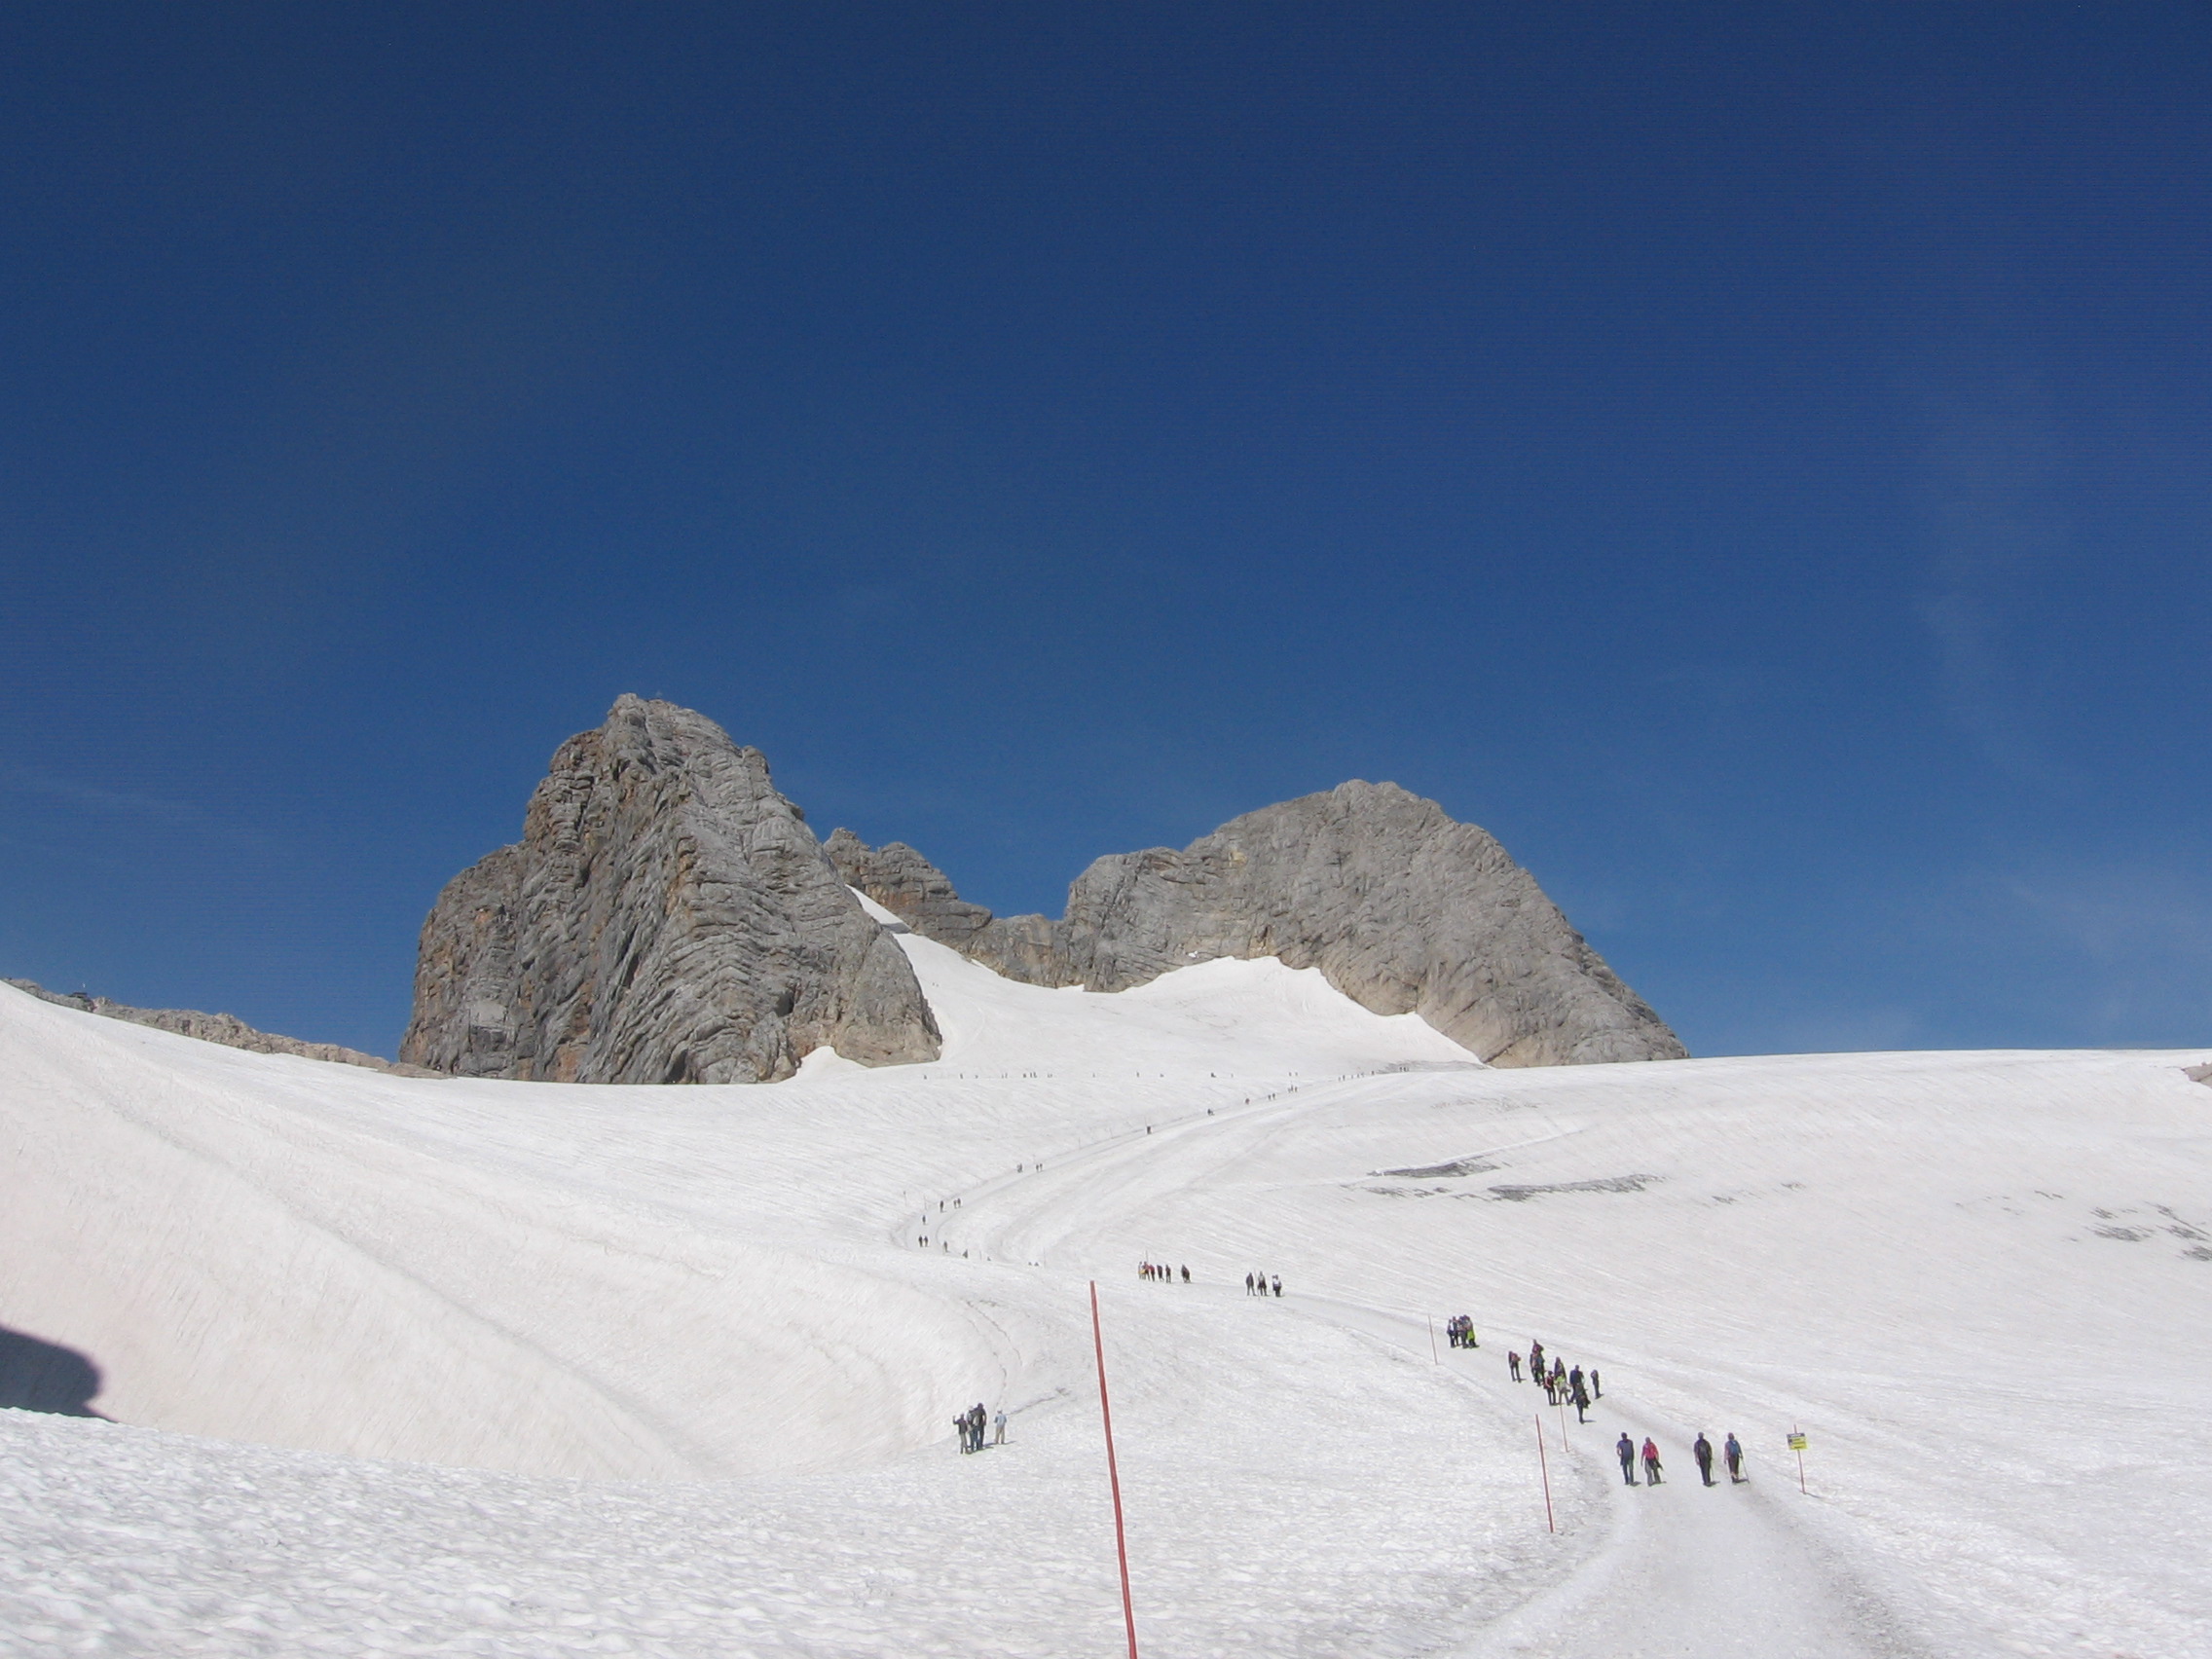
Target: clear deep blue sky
(1753, 459)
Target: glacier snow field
(407, 1366)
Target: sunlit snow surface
(702, 1370)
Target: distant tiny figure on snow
(1247, 1284)
(1581, 1400)
(1703, 1452)
(1734, 1452)
(1650, 1462)
(1597, 1389)
(1513, 1364)
(1626, 1448)
(998, 1422)
(1186, 1273)
(1536, 1359)
(1278, 1284)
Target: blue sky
(1751, 458)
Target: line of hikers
(1460, 1328)
(1559, 1382)
(1256, 1284)
(972, 1422)
(1162, 1272)
(1732, 1452)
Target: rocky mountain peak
(669, 917)
(1404, 909)
(666, 917)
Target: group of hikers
(1731, 1450)
(1256, 1284)
(1559, 1382)
(1460, 1328)
(1162, 1272)
(972, 1421)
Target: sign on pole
(1797, 1444)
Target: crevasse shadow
(45, 1376)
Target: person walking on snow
(1513, 1364)
(1247, 1284)
(1597, 1391)
(999, 1423)
(1278, 1284)
(1703, 1452)
(1650, 1462)
(1734, 1452)
(1626, 1447)
(1581, 1399)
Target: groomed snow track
(405, 1366)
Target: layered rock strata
(1402, 907)
(227, 1029)
(666, 917)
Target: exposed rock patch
(1402, 907)
(223, 1028)
(667, 917)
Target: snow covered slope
(1978, 1281)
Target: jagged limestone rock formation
(1028, 948)
(227, 1029)
(667, 917)
(1402, 907)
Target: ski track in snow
(706, 1373)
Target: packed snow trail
(1678, 1569)
(1681, 1568)
(1975, 1280)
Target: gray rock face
(667, 917)
(1404, 909)
(227, 1029)
(1028, 948)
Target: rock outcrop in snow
(1403, 908)
(667, 917)
(227, 1029)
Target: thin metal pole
(1432, 1353)
(1113, 1474)
(1544, 1463)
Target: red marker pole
(1544, 1463)
(1112, 1475)
(1432, 1353)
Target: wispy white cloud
(99, 799)
(2121, 916)
(1991, 458)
